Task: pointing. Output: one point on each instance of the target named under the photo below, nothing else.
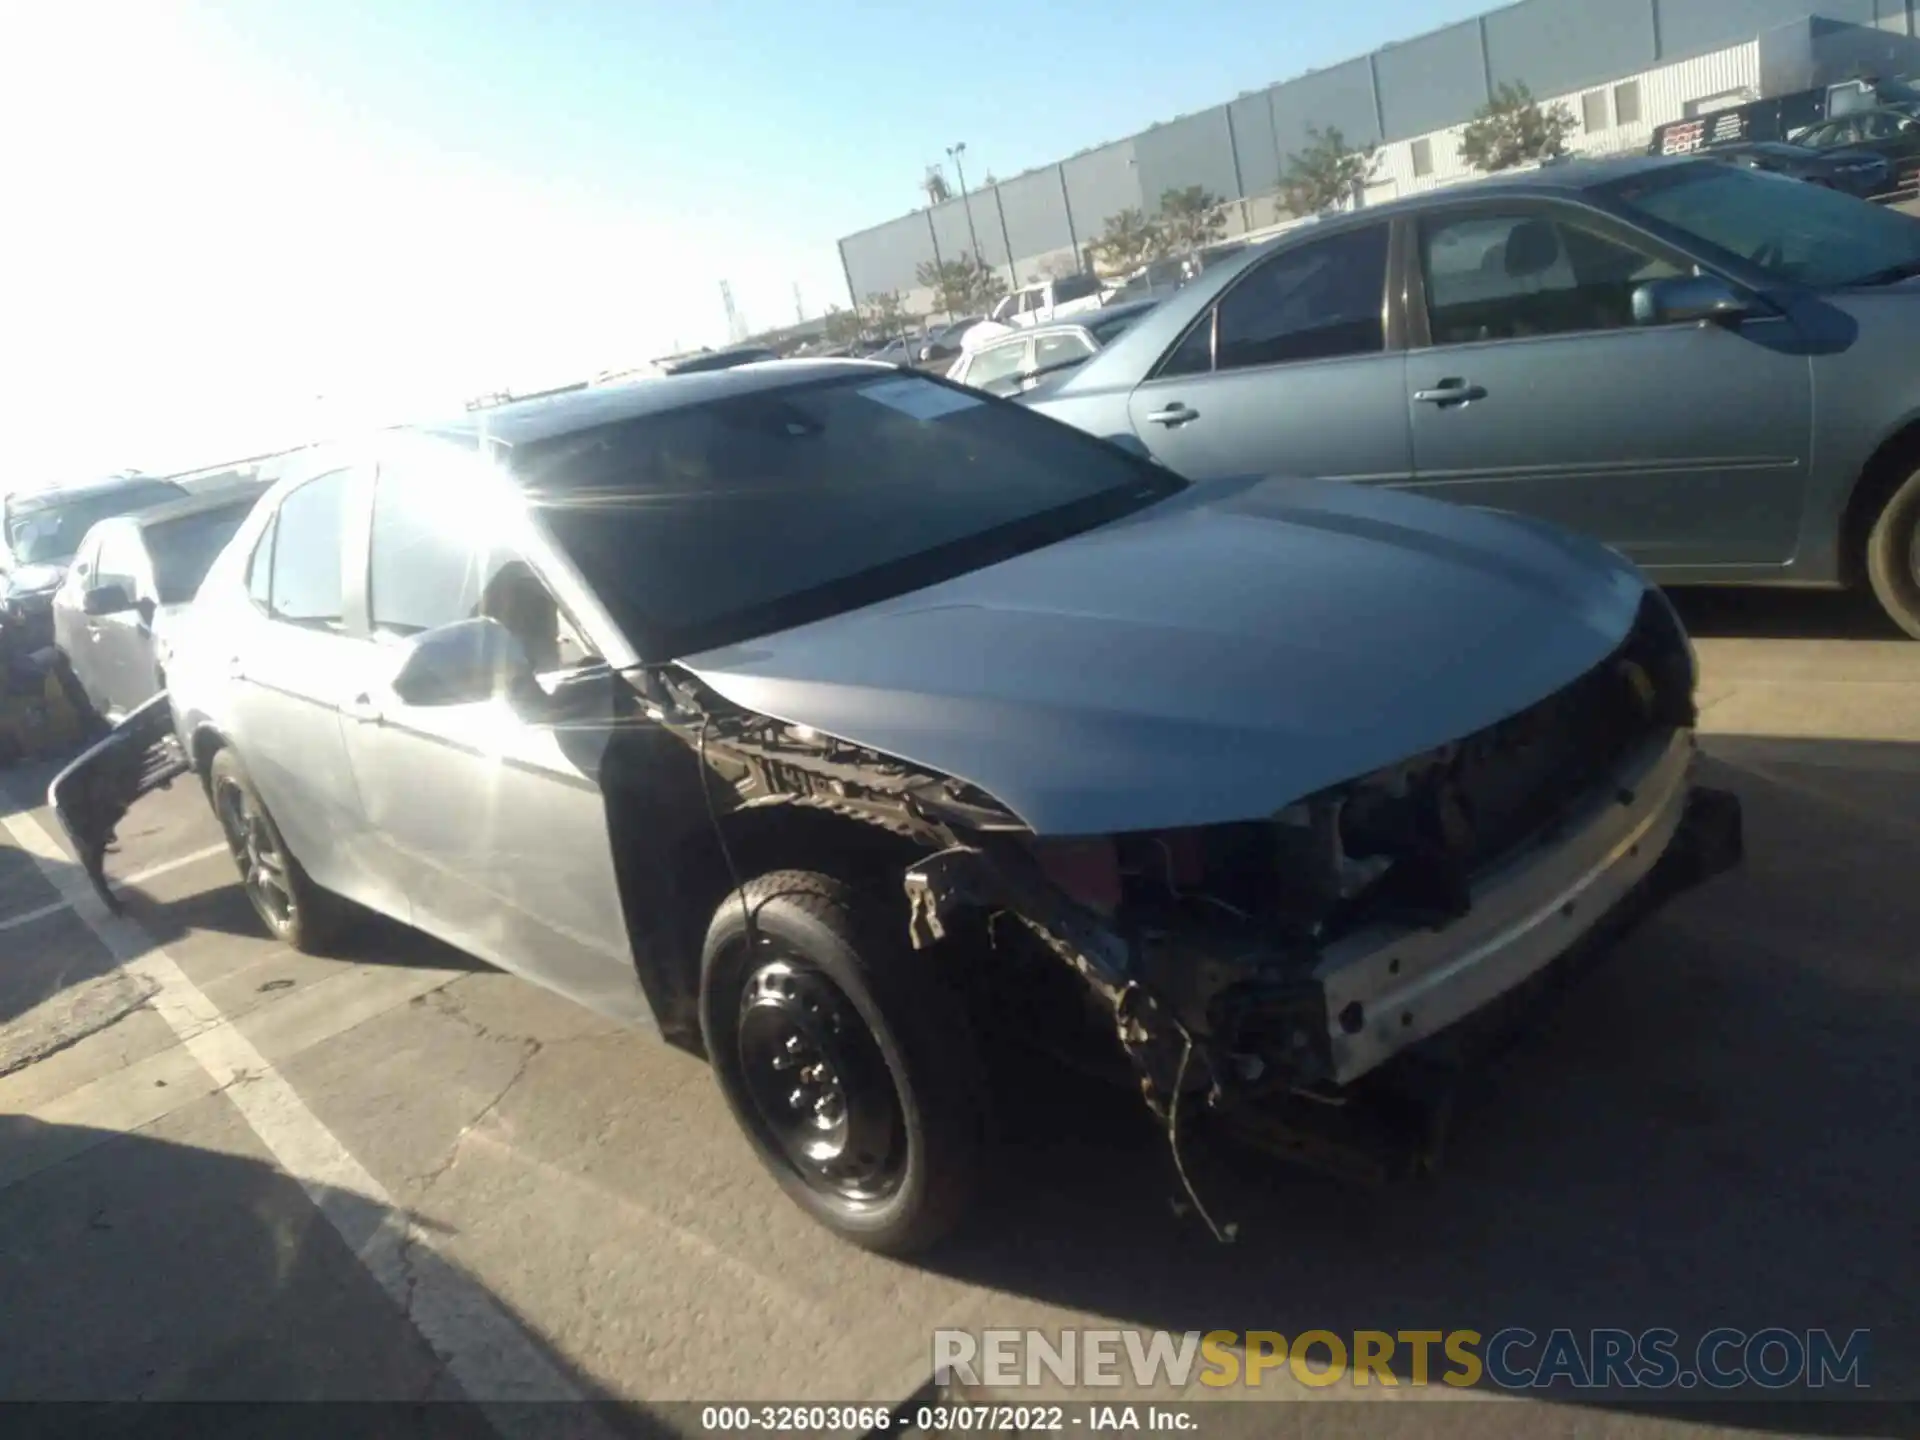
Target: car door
(296, 657)
(122, 640)
(1532, 389)
(1295, 370)
(494, 823)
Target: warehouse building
(1620, 67)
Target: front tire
(297, 912)
(845, 1059)
(1893, 556)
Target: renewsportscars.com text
(1513, 1358)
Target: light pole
(954, 152)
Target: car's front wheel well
(759, 840)
(205, 743)
(1884, 473)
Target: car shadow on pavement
(1719, 1127)
(54, 960)
(1754, 613)
(140, 1269)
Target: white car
(1040, 304)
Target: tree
(1191, 218)
(1129, 240)
(1515, 129)
(842, 327)
(886, 316)
(1327, 174)
(962, 287)
(936, 186)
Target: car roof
(22, 502)
(203, 502)
(1562, 177)
(528, 422)
(1086, 318)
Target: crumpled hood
(1213, 658)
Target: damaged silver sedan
(834, 721)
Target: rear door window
(306, 588)
(1318, 301)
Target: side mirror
(109, 599)
(465, 663)
(1687, 297)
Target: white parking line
(487, 1353)
(27, 917)
(140, 877)
(41, 912)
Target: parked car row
(43, 530)
(1708, 369)
(832, 719)
(129, 582)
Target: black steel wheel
(296, 911)
(820, 1087)
(845, 1059)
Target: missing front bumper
(1386, 990)
(91, 796)
(1394, 1121)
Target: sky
(241, 224)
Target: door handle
(1174, 414)
(1451, 392)
(362, 709)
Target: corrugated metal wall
(883, 260)
(1552, 46)
(1432, 81)
(1674, 51)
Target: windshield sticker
(922, 399)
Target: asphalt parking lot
(231, 1172)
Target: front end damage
(93, 793)
(1319, 981)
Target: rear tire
(845, 1058)
(297, 912)
(1893, 556)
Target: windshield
(184, 549)
(714, 524)
(49, 533)
(1795, 232)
